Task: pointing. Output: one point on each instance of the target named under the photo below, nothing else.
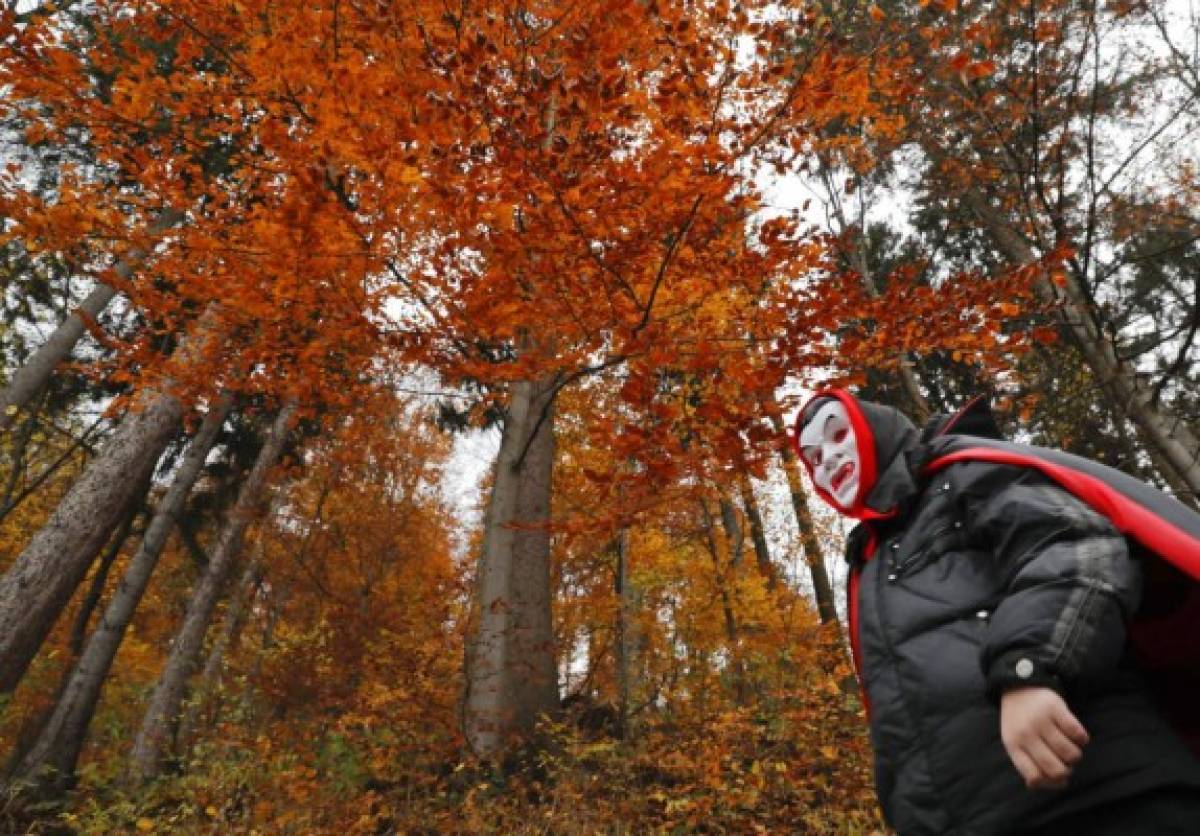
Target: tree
(36, 588)
(154, 736)
(50, 762)
(1026, 130)
(603, 200)
(33, 376)
(526, 198)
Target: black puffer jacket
(983, 577)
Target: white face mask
(830, 448)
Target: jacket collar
(974, 419)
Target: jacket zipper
(898, 568)
(918, 732)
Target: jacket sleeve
(1069, 583)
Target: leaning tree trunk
(50, 764)
(44, 576)
(208, 686)
(95, 593)
(510, 677)
(149, 748)
(1171, 440)
(33, 726)
(32, 377)
(822, 588)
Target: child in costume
(990, 599)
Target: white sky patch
(470, 462)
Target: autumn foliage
(388, 237)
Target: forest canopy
(393, 434)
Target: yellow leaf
(145, 825)
(11, 409)
(211, 811)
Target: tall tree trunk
(510, 664)
(758, 534)
(210, 675)
(274, 600)
(41, 581)
(511, 678)
(735, 541)
(733, 532)
(100, 578)
(35, 725)
(32, 377)
(50, 763)
(207, 686)
(822, 588)
(1170, 440)
(628, 641)
(154, 736)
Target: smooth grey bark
(44, 576)
(41, 581)
(733, 532)
(735, 541)
(510, 678)
(161, 719)
(79, 630)
(822, 588)
(625, 633)
(235, 618)
(50, 763)
(34, 725)
(33, 376)
(1170, 439)
(210, 674)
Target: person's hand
(1041, 735)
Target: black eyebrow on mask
(824, 426)
(804, 447)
